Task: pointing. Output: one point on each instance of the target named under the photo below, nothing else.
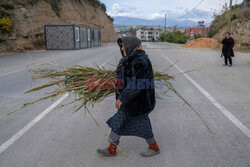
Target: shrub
(103, 7)
(219, 22)
(111, 18)
(55, 4)
(199, 36)
(245, 44)
(177, 37)
(169, 38)
(5, 25)
(98, 4)
(6, 8)
(240, 11)
(234, 17)
(180, 37)
(7, 5)
(2, 39)
(212, 32)
(162, 37)
(5, 13)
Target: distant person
(227, 50)
(133, 104)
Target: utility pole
(230, 16)
(165, 28)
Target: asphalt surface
(61, 138)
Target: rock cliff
(29, 20)
(240, 31)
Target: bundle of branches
(76, 80)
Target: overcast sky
(151, 9)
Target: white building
(148, 35)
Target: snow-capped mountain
(174, 18)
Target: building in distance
(199, 30)
(148, 34)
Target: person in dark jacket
(227, 50)
(135, 99)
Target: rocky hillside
(240, 25)
(240, 32)
(28, 20)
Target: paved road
(62, 138)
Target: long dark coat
(132, 119)
(228, 45)
(137, 101)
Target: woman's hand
(118, 104)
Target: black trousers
(228, 58)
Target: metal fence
(66, 37)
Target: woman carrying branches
(133, 103)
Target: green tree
(176, 37)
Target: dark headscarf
(131, 43)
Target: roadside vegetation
(55, 4)
(175, 37)
(6, 16)
(5, 25)
(98, 4)
(240, 11)
(199, 36)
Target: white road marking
(21, 132)
(21, 68)
(13, 72)
(227, 113)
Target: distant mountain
(155, 22)
(197, 15)
(173, 19)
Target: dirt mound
(201, 43)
